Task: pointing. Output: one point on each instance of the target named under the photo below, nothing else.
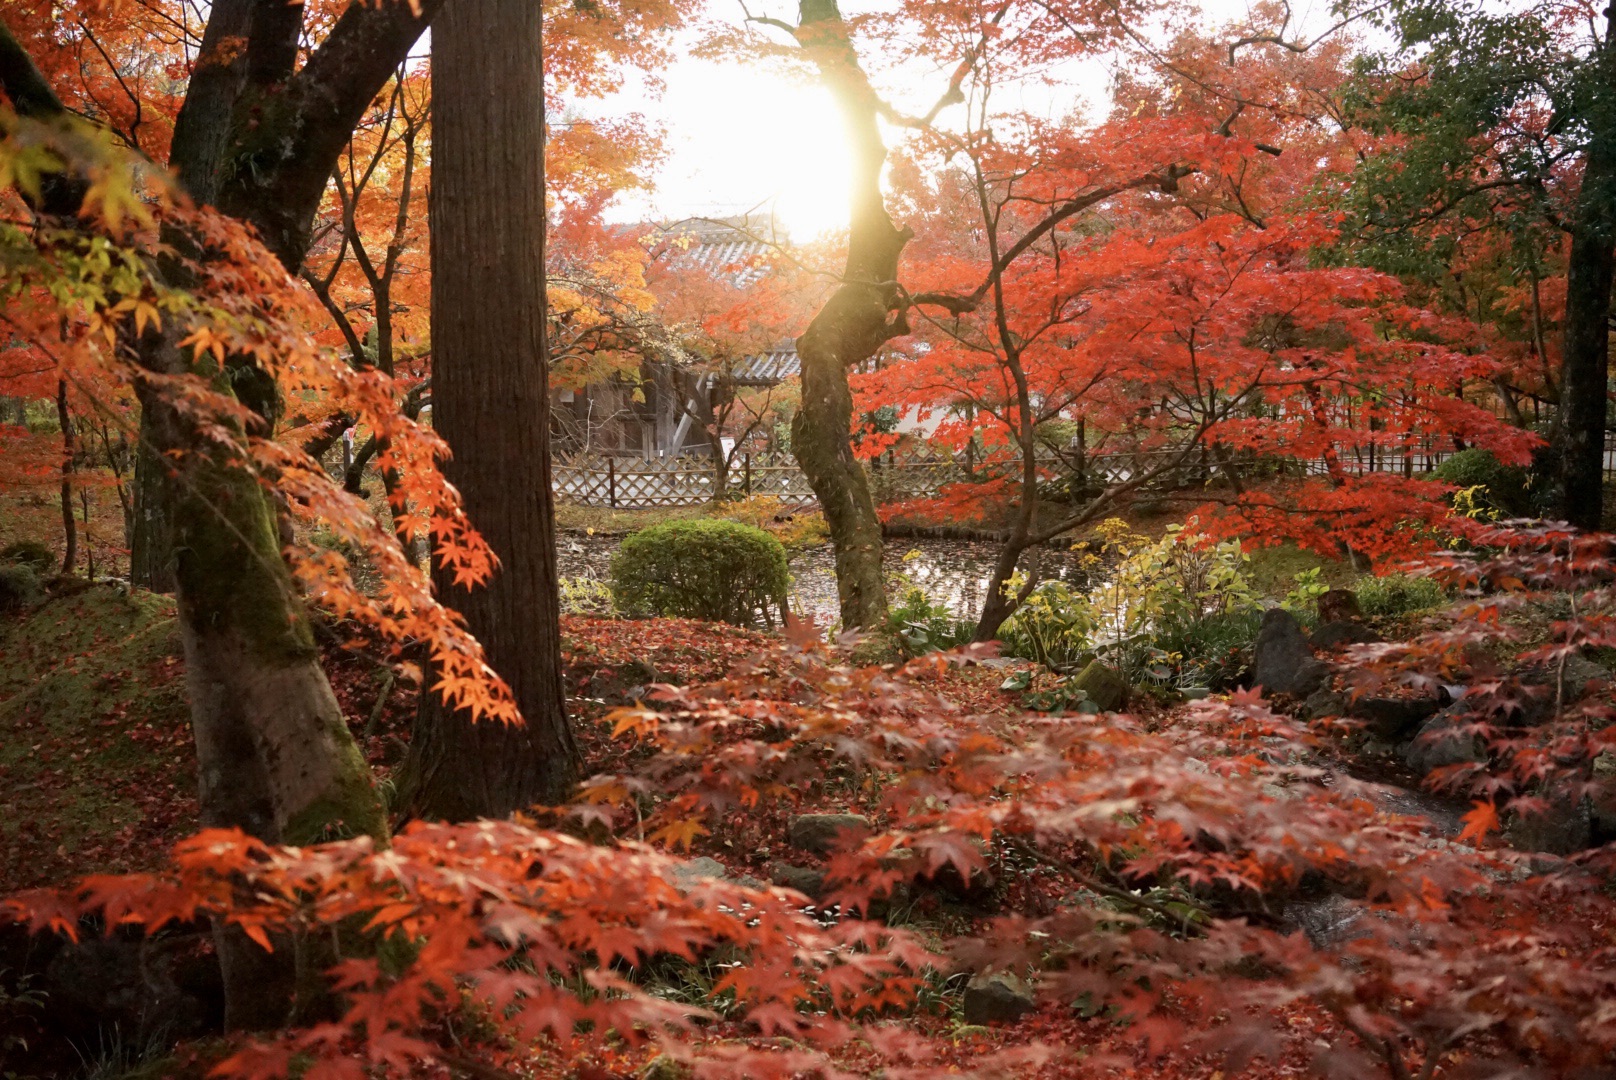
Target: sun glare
(753, 139)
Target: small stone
(1327, 922)
(997, 998)
(1392, 718)
(1103, 686)
(1333, 635)
(822, 833)
(1339, 606)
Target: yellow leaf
(679, 834)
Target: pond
(952, 572)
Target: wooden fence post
(749, 474)
(611, 481)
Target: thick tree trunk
(854, 323)
(490, 401)
(275, 757)
(1584, 378)
(1584, 390)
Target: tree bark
(854, 323)
(490, 401)
(275, 757)
(1584, 379)
(151, 543)
(70, 545)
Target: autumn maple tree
(1176, 289)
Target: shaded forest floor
(96, 758)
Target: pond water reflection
(952, 572)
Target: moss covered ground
(96, 760)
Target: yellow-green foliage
(796, 530)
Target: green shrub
(19, 587)
(702, 569)
(30, 553)
(1212, 652)
(1398, 594)
(1504, 486)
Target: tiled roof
(766, 369)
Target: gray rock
(1330, 921)
(805, 879)
(1582, 677)
(1392, 718)
(684, 876)
(1602, 812)
(1438, 743)
(1282, 660)
(1563, 828)
(114, 987)
(1104, 687)
(1323, 702)
(997, 998)
(821, 833)
(663, 1067)
(1333, 635)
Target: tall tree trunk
(258, 141)
(854, 323)
(70, 545)
(490, 401)
(1584, 391)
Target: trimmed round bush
(1505, 484)
(702, 569)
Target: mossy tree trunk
(490, 402)
(859, 318)
(256, 140)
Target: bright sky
(749, 137)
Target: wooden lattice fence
(922, 472)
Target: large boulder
(822, 833)
(999, 997)
(1439, 742)
(1282, 659)
(1103, 686)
